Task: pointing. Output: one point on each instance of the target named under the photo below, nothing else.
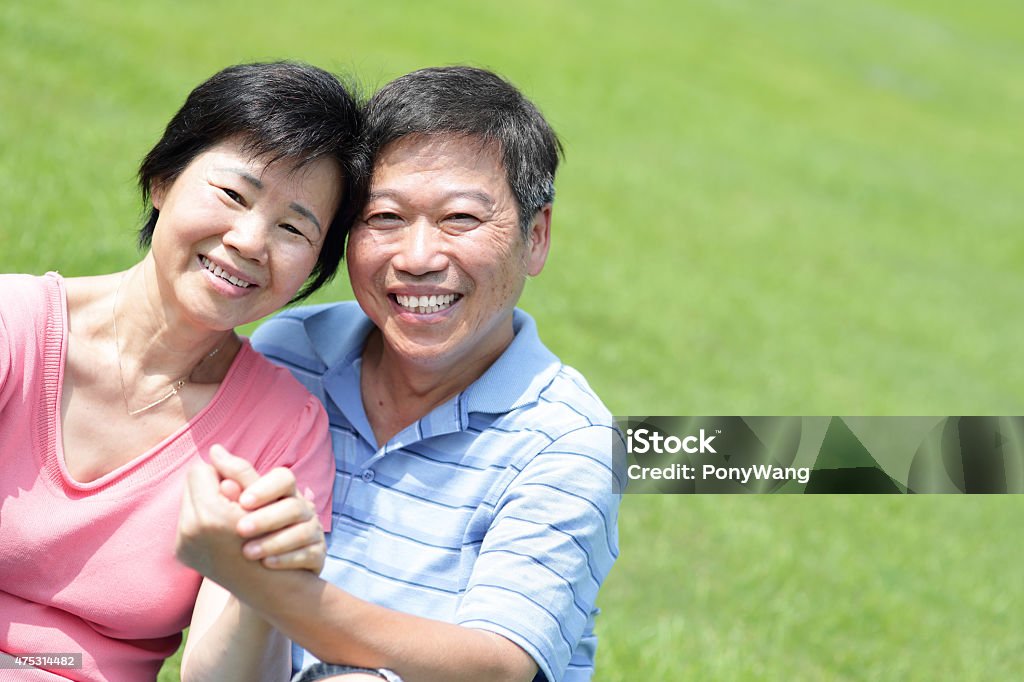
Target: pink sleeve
(6, 351)
(306, 450)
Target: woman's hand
(280, 526)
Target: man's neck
(397, 393)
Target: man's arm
(551, 542)
(332, 624)
(339, 627)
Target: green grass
(794, 588)
(767, 208)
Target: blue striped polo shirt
(494, 511)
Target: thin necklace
(175, 385)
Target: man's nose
(421, 249)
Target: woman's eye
(234, 196)
(293, 230)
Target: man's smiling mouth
(426, 304)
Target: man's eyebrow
(245, 175)
(482, 197)
(305, 212)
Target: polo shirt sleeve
(551, 543)
(276, 335)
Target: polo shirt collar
(518, 376)
(516, 379)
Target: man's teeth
(220, 272)
(426, 304)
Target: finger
(210, 509)
(202, 508)
(308, 558)
(203, 486)
(230, 489)
(230, 466)
(274, 485)
(274, 516)
(294, 537)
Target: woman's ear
(157, 191)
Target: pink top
(90, 567)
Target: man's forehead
(440, 168)
(439, 146)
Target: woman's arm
(228, 640)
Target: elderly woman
(112, 386)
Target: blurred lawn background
(767, 208)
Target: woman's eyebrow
(305, 212)
(258, 184)
(245, 175)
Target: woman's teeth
(220, 272)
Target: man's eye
(234, 196)
(461, 220)
(384, 220)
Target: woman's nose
(248, 236)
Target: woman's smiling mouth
(223, 274)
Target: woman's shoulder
(20, 283)
(25, 297)
(274, 385)
(273, 412)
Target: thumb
(231, 467)
(202, 487)
(200, 496)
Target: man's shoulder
(571, 386)
(291, 320)
(308, 337)
(565, 405)
(529, 385)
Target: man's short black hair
(282, 110)
(464, 101)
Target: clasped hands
(233, 519)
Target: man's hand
(281, 525)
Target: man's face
(437, 259)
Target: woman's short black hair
(282, 110)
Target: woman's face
(235, 238)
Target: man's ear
(538, 241)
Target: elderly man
(474, 519)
